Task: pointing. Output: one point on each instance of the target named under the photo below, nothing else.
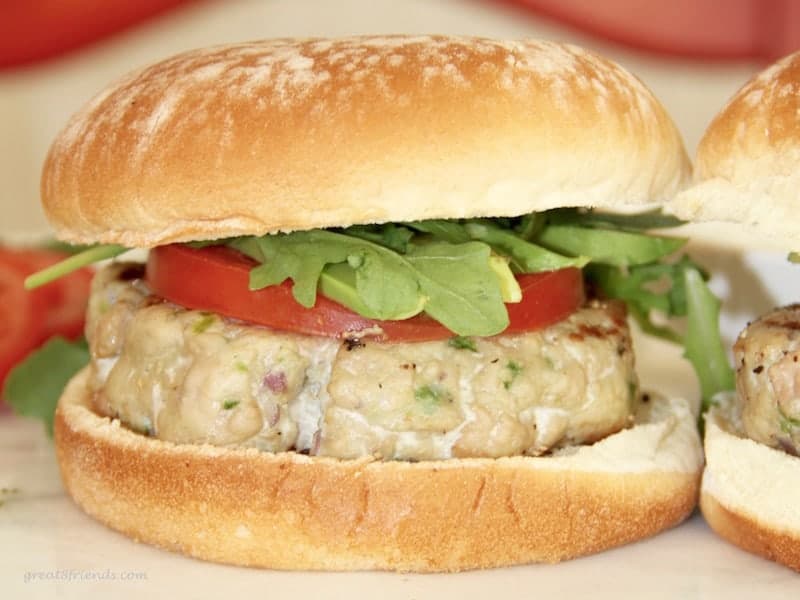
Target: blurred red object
(29, 318)
(35, 30)
(718, 29)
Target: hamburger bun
(290, 511)
(237, 140)
(746, 167)
(750, 492)
(291, 135)
(747, 173)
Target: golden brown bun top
(283, 135)
(748, 162)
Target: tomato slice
(215, 279)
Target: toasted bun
(748, 162)
(750, 492)
(290, 511)
(295, 134)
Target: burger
(747, 173)
(383, 319)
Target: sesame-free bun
(750, 492)
(290, 511)
(748, 173)
(294, 134)
(748, 162)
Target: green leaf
(703, 343)
(460, 286)
(394, 237)
(385, 282)
(73, 263)
(657, 286)
(34, 386)
(525, 256)
(654, 219)
(440, 229)
(530, 225)
(683, 292)
(618, 248)
(631, 285)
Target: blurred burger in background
(748, 171)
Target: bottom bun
(750, 492)
(290, 511)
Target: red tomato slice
(21, 322)
(215, 279)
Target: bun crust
(746, 168)
(751, 534)
(295, 134)
(750, 492)
(289, 511)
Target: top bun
(282, 135)
(748, 162)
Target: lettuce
(448, 269)
(33, 387)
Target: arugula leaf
(654, 219)
(448, 280)
(385, 282)
(612, 247)
(655, 286)
(394, 237)
(686, 294)
(34, 386)
(529, 226)
(454, 279)
(525, 256)
(73, 263)
(448, 231)
(703, 344)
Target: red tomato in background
(29, 318)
